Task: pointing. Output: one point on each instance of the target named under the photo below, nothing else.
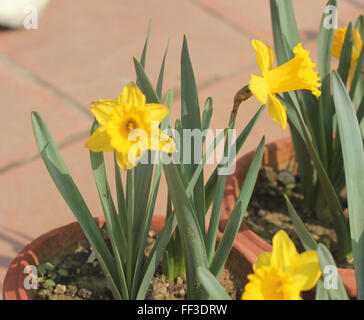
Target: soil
(267, 212)
(85, 279)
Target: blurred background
(82, 51)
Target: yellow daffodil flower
(295, 74)
(337, 45)
(129, 126)
(283, 273)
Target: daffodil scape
(295, 74)
(129, 127)
(283, 273)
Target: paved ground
(83, 51)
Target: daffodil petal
(307, 269)
(264, 54)
(277, 111)
(284, 253)
(259, 87)
(99, 141)
(102, 109)
(157, 111)
(122, 159)
(131, 95)
(162, 142)
(263, 259)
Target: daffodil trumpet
(296, 74)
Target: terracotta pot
(63, 240)
(279, 155)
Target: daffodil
(296, 74)
(337, 46)
(129, 127)
(283, 273)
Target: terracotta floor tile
(19, 97)
(86, 48)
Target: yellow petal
(307, 269)
(265, 55)
(99, 141)
(102, 109)
(277, 111)
(259, 87)
(122, 159)
(264, 259)
(159, 141)
(157, 111)
(284, 253)
(338, 42)
(132, 95)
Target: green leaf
(207, 114)
(62, 272)
(357, 85)
(42, 270)
(49, 266)
(345, 56)
(191, 119)
(327, 263)
(280, 46)
(70, 193)
(191, 235)
(144, 53)
(161, 74)
(237, 215)
(211, 285)
(321, 292)
(144, 84)
(304, 235)
(50, 283)
(288, 22)
(353, 155)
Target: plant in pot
(313, 121)
(132, 127)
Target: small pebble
(60, 289)
(286, 177)
(72, 290)
(85, 293)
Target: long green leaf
(304, 235)
(288, 22)
(191, 235)
(211, 285)
(70, 193)
(353, 155)
(237, 215)
(191, 119)
(335, 289)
